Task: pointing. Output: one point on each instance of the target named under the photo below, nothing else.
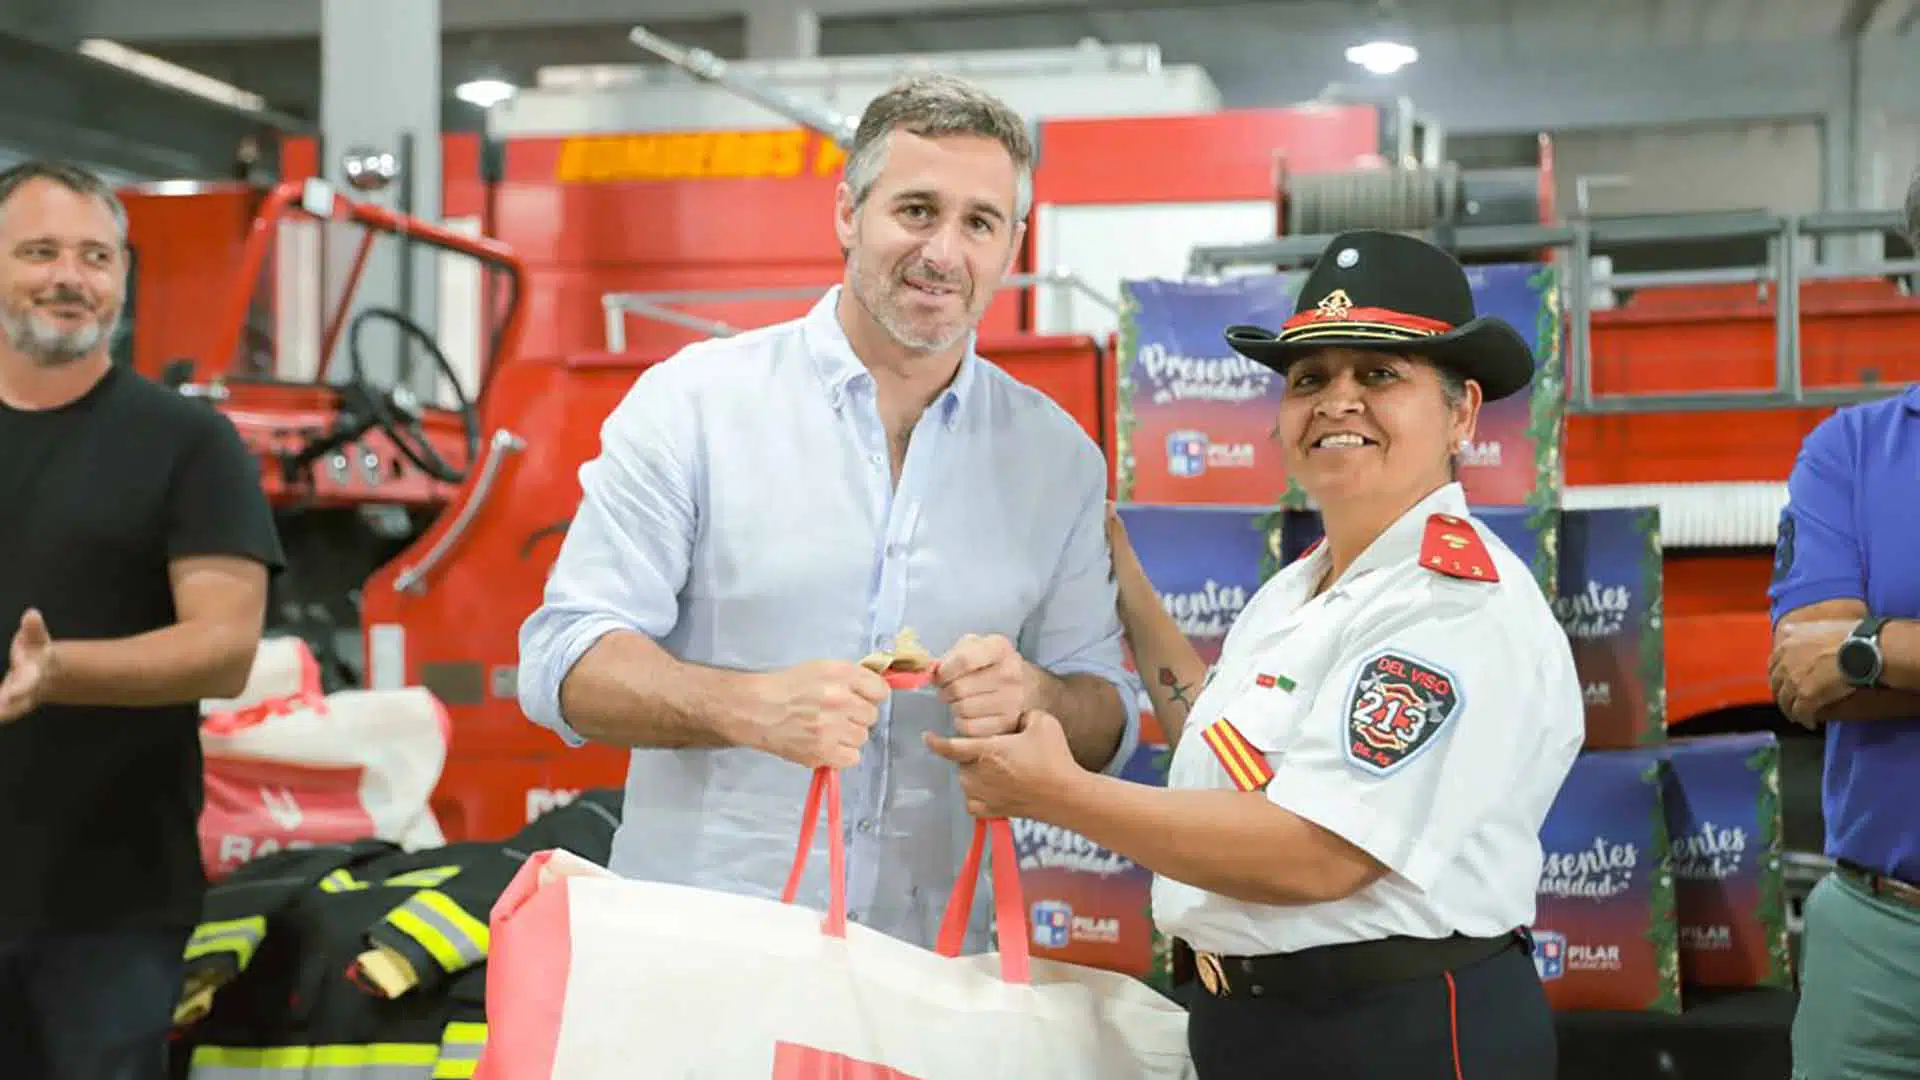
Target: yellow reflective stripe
(370, 1061)
(280, 1057)
(453, 938)
(341, 880)
(470, 1032)
(238, 936)
(460, 1046)
(428, 877)
(431, 877)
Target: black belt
(1335, 969)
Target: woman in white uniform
(1347, 846)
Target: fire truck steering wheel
(399, 412)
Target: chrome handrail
(504, 442)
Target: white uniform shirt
(1346, 697)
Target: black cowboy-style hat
(1394, 293)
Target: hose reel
(1398, 198)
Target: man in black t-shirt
(135, 550)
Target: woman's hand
(1015, 775)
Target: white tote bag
(292, 767)
(596, 977)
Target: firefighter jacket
(359, 960)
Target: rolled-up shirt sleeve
(627, 551)
(1077, 628)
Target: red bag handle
(825, 787)
(1009, 902)
(1010, 906)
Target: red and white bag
(289, 766)
(595, 977)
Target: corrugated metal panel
(1697, 515)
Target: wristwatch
(1859, 656)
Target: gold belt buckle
(1212, 974)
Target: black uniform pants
(81, 1006)
(1485, 1021)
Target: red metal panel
(489, 798)
(300, 158)
(716, 222)
(1197, 158)
(189, 248)
(1719, 338)
(468, 610)
(1067, 368)
(462, 194)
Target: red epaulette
(1453, 548)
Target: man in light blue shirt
(769, 508)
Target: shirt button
(896, 550)
(866, 825)
(853, 916)
(875, 458)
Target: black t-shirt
(100, 807)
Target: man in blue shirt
(1846, 658)
(769, 508)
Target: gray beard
(870, 290)
(46, 346)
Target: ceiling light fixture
(1382, 57)
(485, 93)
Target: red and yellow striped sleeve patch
(1247, 767)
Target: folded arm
(1817, 631)
(1819, 594)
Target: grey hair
(74, 178)
(1453, 388)
(932, 106)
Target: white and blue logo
(1186, 453)
(1549, 954)
(1052, 920)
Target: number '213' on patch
(1398, 706)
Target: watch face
(1858, 659)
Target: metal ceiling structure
(1485, 63)
(269, 45)
(55, 102)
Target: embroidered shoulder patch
(1452, 547)
(1783, 548)
(1398, 706)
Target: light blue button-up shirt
(742, 513)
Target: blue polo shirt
(1849, 531)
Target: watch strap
(1865, 637)
(1869, 628)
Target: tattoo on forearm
(1176, 690)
